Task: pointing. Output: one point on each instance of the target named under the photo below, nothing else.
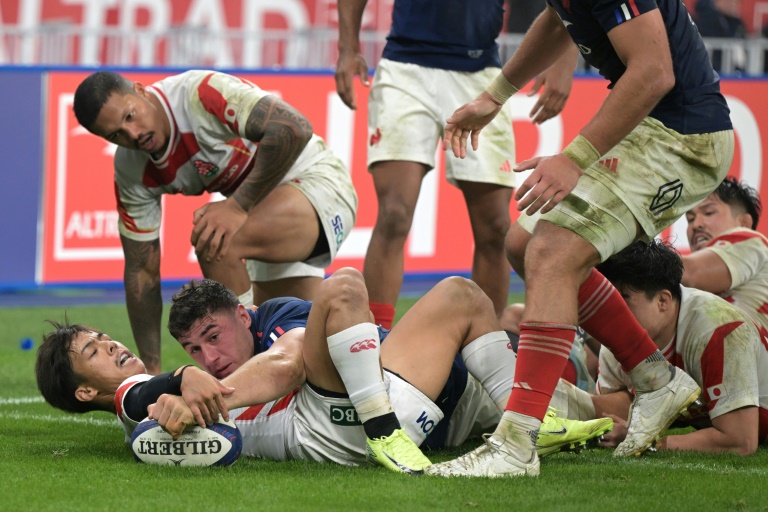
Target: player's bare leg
(342, 353)
(397, 190)
(302, 287)
(488, 207)
(282, 228)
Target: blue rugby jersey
(457, 35)
(277, 316)
(695, 104)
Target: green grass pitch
(55, 461)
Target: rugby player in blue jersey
(661, 142)
(294, 374)
(438, 55)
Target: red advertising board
(80, 239)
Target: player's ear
(746, 220)
(242, 314)
(140, 89)
(86, 393)
(664, 299)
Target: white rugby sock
(246, 299)
(355, 352)
(491, 360)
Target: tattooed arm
(142, 296)
(282, 133)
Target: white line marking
(60, 419)
(694, 466)
(22, 400)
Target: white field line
(22, 400)
(722, 469)
(70, 418)
(60, 419)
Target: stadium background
(58, 214)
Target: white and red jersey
(745, 253)
(207, 149)
(128, 424)
(717, 346)
(268, 429)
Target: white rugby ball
(219, 444)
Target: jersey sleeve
(139, 210)
(745, 253)
(128, 423)
(278, 316)
(228, 98)
(729, 368)
(611, 378)
(611, 13)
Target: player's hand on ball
(204, 395)
(552, 179)
(172, 414)
(467, 122)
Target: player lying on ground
(697, 331)
(304, 412)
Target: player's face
(102, 362)
(221, 342)
(134, 120)
(708, 220)
(647, 312)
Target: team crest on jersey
(375, 137)
(205, 168)
(475, 53)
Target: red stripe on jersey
(157, 175)
(122, 212)
(283, 402)
(238, 167)
(214, 103)
(121, 391)
(762, 425)
(250, 413)
(712, 361)
(763, 309)
(633, 6)
(279, 330)
(738, 236)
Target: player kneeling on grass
(304, 411)
(697, 331)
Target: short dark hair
(93, 93)
(197, 300)
(738, 194)
(56, 377)
(647, 267)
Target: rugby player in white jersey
(699, 332)
(308, 392)
(290, 202)
(729, 257)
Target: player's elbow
(746, 446)
(288, 370)
(664, 79)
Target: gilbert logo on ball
(217, 445)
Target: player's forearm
(707, 271)
(266, 377)
(631, 100)
(282, 133)
(143, 298)
(544, 43)
(612, 403)
(708, 440)
(350, 22)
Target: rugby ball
(219, 444)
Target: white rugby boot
(652, 412)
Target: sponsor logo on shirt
(344, 415)
(205, 168)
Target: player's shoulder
(739, 236)
(704, 312)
